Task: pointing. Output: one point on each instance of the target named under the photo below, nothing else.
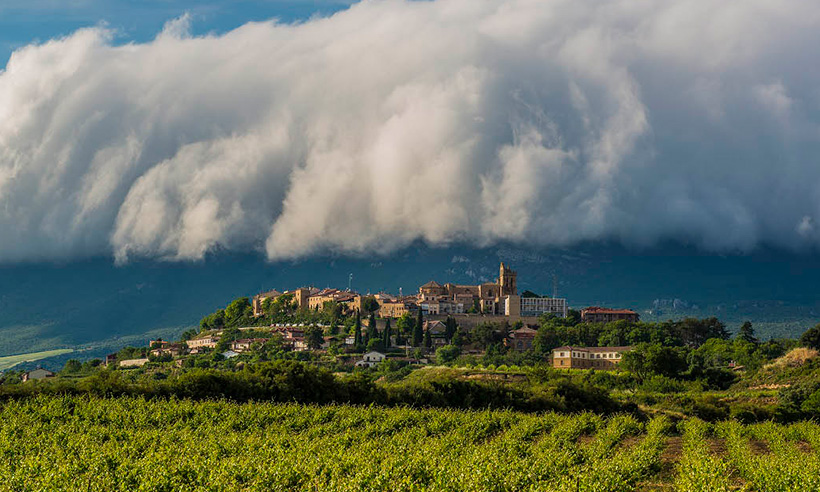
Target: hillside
(96, 307)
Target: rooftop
(602, 310)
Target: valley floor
(10, 361)
(128, 443)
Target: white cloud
(542, 122)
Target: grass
(10, 361)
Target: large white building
(536, 306)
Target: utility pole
(349, 282)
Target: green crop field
(87, 443)
(10, 361)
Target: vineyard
(86, 443)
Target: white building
(536, 306)
(371, 359)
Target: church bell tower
(507, 281)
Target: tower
(507, 281)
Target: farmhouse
(371, 359)
(246, 344)
(39, 373)
(602, 358)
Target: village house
(245, 344)
(595, 314)
(371, 359)
(158, 343)
(38, 373)
(521, 339)
(389, 308)
(208, 341)
(601, 358)
(351, 300)
(172, 349)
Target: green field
(10, 361)
(126, 443)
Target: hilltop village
(464, 346)
(440, 321)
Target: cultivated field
(86, 443)
(10, 361)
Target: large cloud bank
(538, 121)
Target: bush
(747, 413)
(663, 384)
(447, 354)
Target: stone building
(595, 314)
(494, 298)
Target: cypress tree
(428, 341)
(386, 334)
(418, 330)
(450, 328)
(357, 333)
(372, 329)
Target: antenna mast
(554, 286)
(349, 282)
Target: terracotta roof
(523, 332)
(270, 293)
(601, 310)
(609, 349)
(595, 349)
(431, 283)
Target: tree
(72, 366)
(314, 337)
(484, 334)
(694, 332)
(647, 359)
(811, 338)
(428, 340)
(238, 312)
(450, 327)
(188, 334)
(418, 330)
(404, 328)
(370, 304)
(374, 344)
(372, 329)
(357, 330)
(213, 321)
(446, 354)
(386, 334)
(747, 333)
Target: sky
(169, 130)
(26, 21)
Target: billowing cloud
(542, 122)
